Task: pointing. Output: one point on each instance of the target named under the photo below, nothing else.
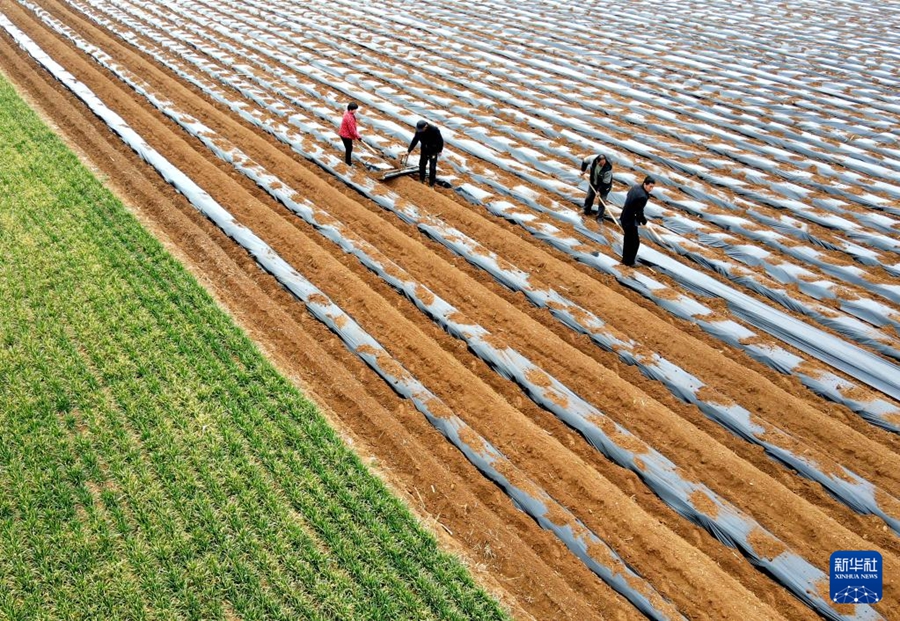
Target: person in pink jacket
(348, 131)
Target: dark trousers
(589, 203)
(630, 244)
(431, 161)
(348, 149)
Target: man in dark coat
(432, 146)
(632, 216)
(600, 180)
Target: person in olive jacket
(632, 216)
(600, 181)
(432, 146)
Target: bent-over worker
(432, 145)
(599, 172)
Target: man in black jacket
(432, 146)
(600, 180)
(632, 216)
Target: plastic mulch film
(858, 495)
(864, 309)
(513, 365)
(526, 495)
(877, 417)
(876, 411)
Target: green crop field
(153, 465)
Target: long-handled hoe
(650, 228)
(371, 150)
(654, 235)
(607, 208)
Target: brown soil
(704, 503)
(765, 545)
(528, 569)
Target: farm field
(153, 464)
(690, 438)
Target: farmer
(632, 216)
(600, 177)
(348, 131)
(432, 146)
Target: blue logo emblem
(857, 577)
